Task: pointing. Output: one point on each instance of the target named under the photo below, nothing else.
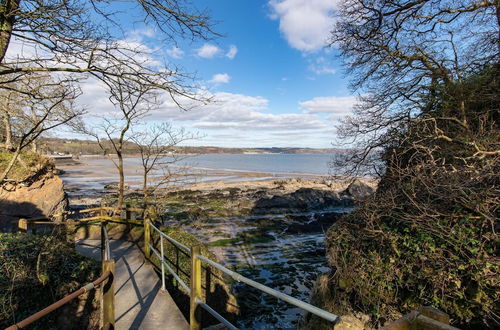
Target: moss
(28, 165)
(225, 242)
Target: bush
(37, 270)
(428, 235)
(29, 165)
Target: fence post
(147, 239)
(195, 310)
(22, 225)
(102, 242)
(108, 296)
(128, 214)
(102, 211)
(162, 264)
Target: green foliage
(428, 237)
(35, 271)
(29, 164)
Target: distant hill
(90, 147)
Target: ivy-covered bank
(428, 236)
(37, 270)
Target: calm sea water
(93, 174)
(267, 163)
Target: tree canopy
(398, 53)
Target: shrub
(37, 270)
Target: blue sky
(274, 81)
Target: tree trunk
(7, 19)
(3, 176)
(121, 185)
(8, 131)
(145, 187)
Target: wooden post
(103, 211)
(128, 215)
(22, 225)
(195, 310)
(147, 239)
(60, 217)
(102, 242)
(108, 296)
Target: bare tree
(86, 38)
(42, 105)
(133, 103)
(428, 72)
(400, 54)
(156, 144)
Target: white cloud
(321, 66)
(208, 51)
(305, 24)
(141, 33)
(175, 52)
(220, 78)
(231, 53)
(238, 111)
(337, 106)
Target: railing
(423, 318)
(194, 290)
(106, 280)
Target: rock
(114, 186)
(41, 198)
(359, 190)
(352, 322)
(303, 199)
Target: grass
(28, 164)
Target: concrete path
(139, 301)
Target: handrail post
(195, 310)
(147, 239)
(102, 241)
(102, 211)
(128, 213)
(22, 225)
(162, 264)
(108, 296)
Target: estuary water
(94, 173)
(315, 164)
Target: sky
(274, 81)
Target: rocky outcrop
(41, 198)
(304, 199)
(359, 190)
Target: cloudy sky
(273, 81)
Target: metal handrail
(219, 317)
(106, 260)
(289, 299)
(105, 248)
(236, 276)
(86, 288)
(170, 270)
(170, 239)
